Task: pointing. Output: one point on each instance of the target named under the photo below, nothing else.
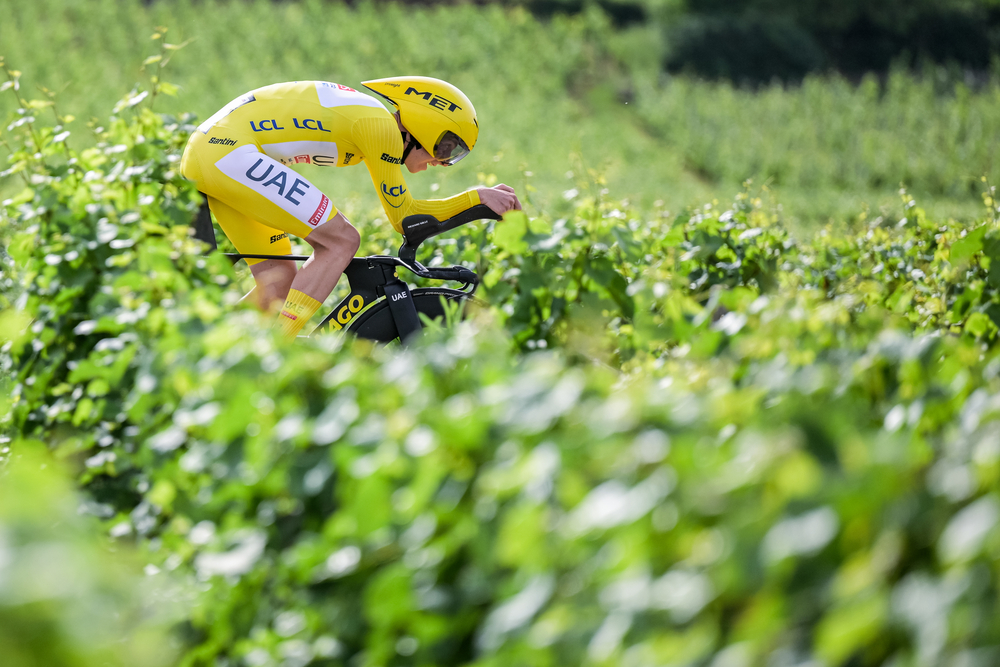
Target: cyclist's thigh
(263, 189)
(248, 235)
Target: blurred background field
(655, 101)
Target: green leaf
(175, 47)
(163, 493)
(963, 249)
(626, 241)
(14, 327)
(167, 88)
(603, 272)
(84, 411)
(991, 248)
(136, 99)
(979, 324)
(850, 629)
(901, 299)
(508, 234)
(98, 387)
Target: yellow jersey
(306, 122)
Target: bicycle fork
(404, 313)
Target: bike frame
(374, 277)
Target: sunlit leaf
(963, 249)
(136, 99)
(175, 47)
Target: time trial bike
(382, 307)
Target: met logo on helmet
(434, 100)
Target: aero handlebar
(416, 230)
(456, 273)
(419, 228)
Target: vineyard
(670, 436)
(563, 102)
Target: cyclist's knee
(351, 237)
(336, 234)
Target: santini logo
(278, 237)
(222, 141)
(348, 157)
(390, 159)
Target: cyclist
(239, 159)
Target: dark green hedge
(756, 41)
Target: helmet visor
(450, 148)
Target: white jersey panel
(279, 184)
(225, 111)
(339, 95)
(320, 153)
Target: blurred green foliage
(68, 598)
(668, 439)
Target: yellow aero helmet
(437, 114)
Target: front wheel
(376, 323)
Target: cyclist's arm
(380, 143)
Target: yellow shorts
(256, 200)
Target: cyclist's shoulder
(338, 95)
(326, 93)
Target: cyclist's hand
(500, 198)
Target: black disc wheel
(376, 323)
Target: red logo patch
(317, 216)
(288, 315)
(347, 88)
(302, 158)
